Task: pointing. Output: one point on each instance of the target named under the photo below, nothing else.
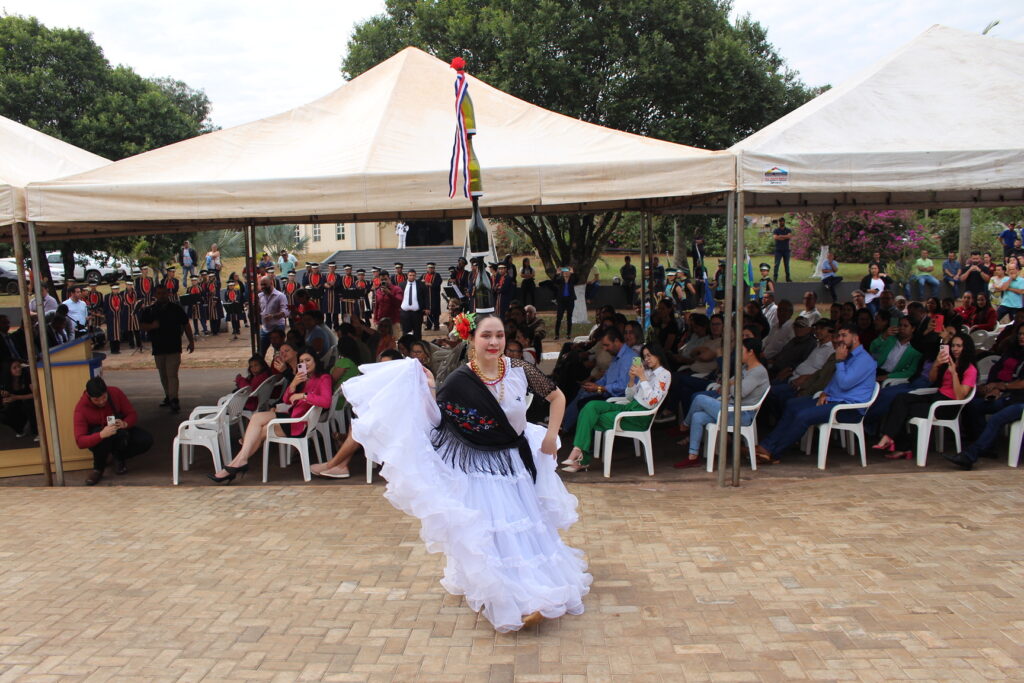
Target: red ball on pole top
(459, 64)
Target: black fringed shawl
(475, 434)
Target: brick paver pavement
(906, 576)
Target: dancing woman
(480, 479)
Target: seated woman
(707, 406)
(984, 314)
(420, 350)
(645, 389)
(17, 411)
(337, 467)
(966, 309)
(386, 330)
(310, 387)
(513, 349)
(258, 372)
(865, 327)
(954, 370)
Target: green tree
(57, 81)
(678, 70)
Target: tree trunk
(678, 245)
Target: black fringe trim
(472, 458)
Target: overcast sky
(256, 58)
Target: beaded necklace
(491, 381)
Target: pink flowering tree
(854, 235)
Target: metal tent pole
(643, 280)
(44, 347)
(26, 328)
(252, 290)
(727, 310)
(741, 298)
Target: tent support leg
(741, 298)
(727, 312)
(44, 346)
(26, 328)
(251, 287)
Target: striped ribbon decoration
(460, 150)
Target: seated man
(853, 382)
(986, 442)
(612, 383)
(105, 423)
(788, 384)
(794, 351)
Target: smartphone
(111, 420)
(940, 321)
(302, 368)
(638, 361)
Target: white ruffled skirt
(498, 533)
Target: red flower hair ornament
(464, 324)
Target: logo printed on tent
(776, 176)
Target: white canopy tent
(26, 155)
(378, 148)
(938, 123)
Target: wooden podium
(72, 364)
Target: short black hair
(96, 387)
(612, 334)
(391, 354)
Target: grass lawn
(609, 264)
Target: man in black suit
(415, 304)
(432, 281)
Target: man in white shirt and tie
(414, 299)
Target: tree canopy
(679, 70)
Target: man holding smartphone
(105, 423)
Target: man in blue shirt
(830, 275)
(782, 235)
(951, 273)
(853, 382)
(612, 383)
(1008, 237)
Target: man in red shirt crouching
(105, 423)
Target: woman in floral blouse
(646, 388)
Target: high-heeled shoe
(576, 467)
(237, 470)
(899, 455)
(571, 460)
(891, 447)
(226, 479)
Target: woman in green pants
(648, 384)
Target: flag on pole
(465, 126)
(709, 296)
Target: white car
(97, 267)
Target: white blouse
(650, 391)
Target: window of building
(339, 231)
(316, 233)
(298, 233)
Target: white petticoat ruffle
(499, 533)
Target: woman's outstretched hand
(550, 445)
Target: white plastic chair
(263, 395)
(1016, 434)
(300, 443)
(985, 366)
(890, 381)
(983, 339)
(747, 432)
(235, 402)
(606, 439)
(925, 425)
(856, 429)
(206, 431)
